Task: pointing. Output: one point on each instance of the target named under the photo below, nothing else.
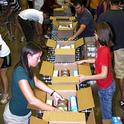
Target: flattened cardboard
(47, 68)
(85, 99)
(64, 117)
(35, 120)
(84, 69)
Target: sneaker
(121, 104)
(22, 39)
(4, 99)
(46, 36)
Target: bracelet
(52, 93)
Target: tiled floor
(15, 47)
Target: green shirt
(18, 103)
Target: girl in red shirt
(103, 69)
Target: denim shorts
(105, 97)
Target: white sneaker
(4, 99)
(23, 39)
(46, 36)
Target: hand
(82, 78)
(71, 38)
(58, 110)
(57, 97)
(64, 43)
(79, 62)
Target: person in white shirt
(31, 19)
(5, 62)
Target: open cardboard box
(65, 28)
(66, 53)
(84, 100)
(49, 69)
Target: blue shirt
(18, 103)
(86, 19)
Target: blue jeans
(105, 97)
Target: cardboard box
(84, 100)
(67, 53)
(48, 69)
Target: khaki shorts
(9, 118)
(119, 63)
(90, 40)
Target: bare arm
(29, 95)
(86, 61)
(101, 75)
(79, 31)
(44, 87)
(39, 84)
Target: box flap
(71, 18)
(64, 116)
(55, 23)
(35, 120)
(45, 67)
(84, 69)
(85, 99)
(64, 90)
(107, 121)
(58, 9)
(75, 25)
(79, 43)
(64, 51)
(91, 118)
(67, 80)
(41, 95)
(63, 87)
(51, 43)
